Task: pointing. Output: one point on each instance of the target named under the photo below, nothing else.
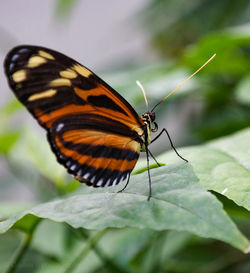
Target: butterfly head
(149, 120)
(149, 116)
(150, 126)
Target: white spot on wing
(86, 176)
(23, 50)
(15, 57)
(92, 179)
(68, 163)
(79, 173)
(73, 167)
(59, 127)
(107, 182)
(114, 182)
(99, 183)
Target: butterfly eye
(155, 128)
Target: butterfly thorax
(150, 126)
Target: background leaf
(242, 91)
(222, 165)
(179, 202)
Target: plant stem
(22, 248)
(20, 253)
(106, 261)
(111, 265)
(90, 243)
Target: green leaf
(54, 245)
(7, 140)
(222, 165)
(158, 80)
(242, 91)
(187, 20)
(229, 45)
(34, 149)
(10, 108)
(179, 202)
(64, 7)
(9, 244)
(7, 208)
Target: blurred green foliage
(189, 32)
(184, 34)
(64, 8)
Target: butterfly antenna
(198, 70)
(144, 93)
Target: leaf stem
(20, 253)
(22, 248)
(90, 243)
(111, 265)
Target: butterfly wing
(93, 131)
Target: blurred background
(160, 43)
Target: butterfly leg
(149, 177)
(171, 143)
(125, 185)
(159, 165)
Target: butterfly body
(93, 131)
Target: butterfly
(93, 131)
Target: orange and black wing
(93, 131)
